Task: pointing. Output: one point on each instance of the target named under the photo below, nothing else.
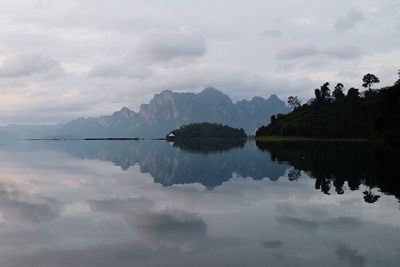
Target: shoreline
(309, 139)
(82, 139)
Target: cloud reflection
(22, 208)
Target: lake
(153, 203)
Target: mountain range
(166, 111)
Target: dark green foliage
(318, 95)
(338, 92)
(398, 81)
(325, 92)
(375, 115)
(208, 130)
(369, 79)
(294, 102)
(386, 120)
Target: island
(206, 130)
(372, 114)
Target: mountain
(165, 112)
(169, 110)
(14, 131)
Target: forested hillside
(369, 114)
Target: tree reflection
(370, 197)
(333, 164)
(294, 174)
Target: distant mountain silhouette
(170, 110)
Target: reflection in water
(176, 229)
(20, 208)
(332, 164)
(63, 204)
(208, 146)
(169, 165)
(350, 255)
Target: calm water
(150, 203)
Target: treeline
(334, 114)
(208, 130)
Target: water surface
(152, 203)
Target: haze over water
(153, 203)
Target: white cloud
(272, 33)
(156, 48)
(343, 52)
(297, 51)
(349, 20)
(31, 64)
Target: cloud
(299, 224)
(119, 205)
(154, 49)
(349, 20)
(272, 33)
(344, 223)
(350, 255)
(295, 52)
(31, 64)
(307, 50)
(169, 228)
(343, 52)
(121, 68)
(18, 212)
(159, 46)
(141, 53)
(272, 244)
(304, 225)
(20, 208)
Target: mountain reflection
(332, 164)
(207, 163)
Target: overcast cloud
(65, 59)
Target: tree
(338, 92)
(273, 119)
(353, 94)
(294, 102)
(318, 95)
(325, 91)
(369, 79)
(343, 114)
(398, 81)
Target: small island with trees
(206, 130)
(371, 114)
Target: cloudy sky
(65, 59)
